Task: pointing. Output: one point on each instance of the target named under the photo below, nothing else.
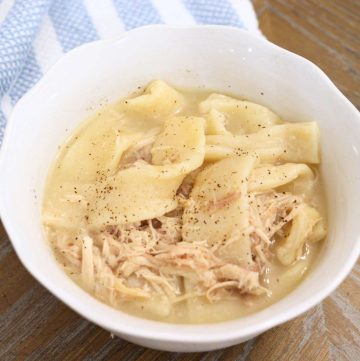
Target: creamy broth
(250, 259)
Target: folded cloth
(35, 33)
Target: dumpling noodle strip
(159, 100)
(215, 123)
(100, 153)
(292, 247)
(267, 177)
(146, 191)
(294, 142)
(218, 208)
(243, 116)
(182, 142)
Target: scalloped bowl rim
(152, 330)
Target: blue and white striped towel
(35, 33)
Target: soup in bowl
(186, 206)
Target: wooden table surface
(34, 325)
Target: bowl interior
(224, 59)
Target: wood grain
(36, 326)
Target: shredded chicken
(147, 258)
(143, 259)
(270, 212)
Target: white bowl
(215, 57)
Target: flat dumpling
(241, 116)
(66, 208)
(181, 141)
(269, 176)
(146, 191)
(100, 152)
(99, 149)
(291, 248)
(291, 142)
(218, 208)
(133, 194)
(158, 101)
(215, 123)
